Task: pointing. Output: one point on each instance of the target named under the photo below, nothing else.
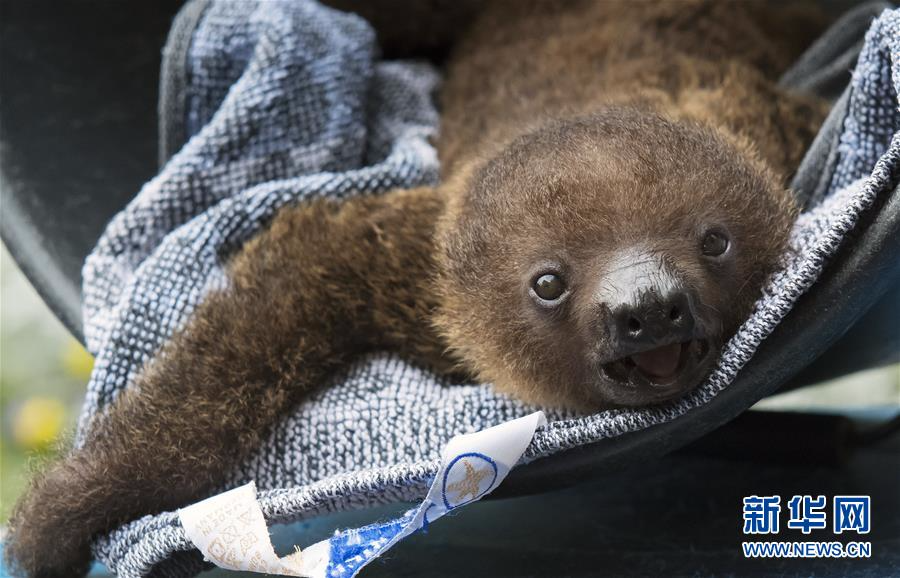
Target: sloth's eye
(549, 287)
(714, 244)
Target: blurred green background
(44, 370)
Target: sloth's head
(604, 261)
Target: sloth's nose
(654, 335)
(652, 319)
(646, 304)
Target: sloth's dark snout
(652, 319)
(655, 340)
(647, 303)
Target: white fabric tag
(230, 530)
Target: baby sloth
(613, 198)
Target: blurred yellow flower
(77, 361)
(38, 422)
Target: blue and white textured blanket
(284, 101)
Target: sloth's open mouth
(661, 366)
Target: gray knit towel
(285, 101)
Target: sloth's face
(605, 261)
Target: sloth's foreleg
(324, 283)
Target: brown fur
(570, 130)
